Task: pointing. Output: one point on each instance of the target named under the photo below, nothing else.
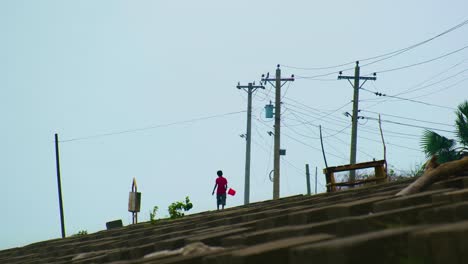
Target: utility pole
(315, 180)
(59, 183)
(354, 117)
(250, 88)
(308, 179)
(279, 82)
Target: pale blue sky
(82, 68)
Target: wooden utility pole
(250, 88)
(279, 82)
(354, 117)
(308, 179)
(323, 150)
(59, 183)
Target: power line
(391, 144)
(318, 80)
(322, 116)
(347, 144)
(302, 172)
(387, 55)
(266, 95)
(312, 147)
(441, 89)
(361, 137)
(286, 90)
(431, 84)
(333, 136)
(363, 129)
(415, 87)
(407, 99)
(307, 122)
(409, 125)
(407, 118)
(321, 75)
(283, 159)
(303, 121)
(300, 141)
(323, 113)
(151, 127)
(423, 62)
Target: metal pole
(352, 174)
(315, 180)
(308, 179)
(247, 149)
(59, 183)
(276, 161)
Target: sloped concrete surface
(360, 225)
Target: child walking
(221, 183)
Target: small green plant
(153, 215)
(417, 170)
(81, 233)
(175, 209)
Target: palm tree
(446, 149)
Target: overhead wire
(333, 137)
(376, 140)
(408, 118)
(312, 147)
(363, 129)
(151, 127)
(286, 90)
(410, 125)
(441, 89)
(422, 62)
(407, 91)
(321, 117)
(387, 55)
(420, 86)
(329, 136)
(407, 99)
(346, 143)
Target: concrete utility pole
(354, 117)
(279, 82)
(250, 88)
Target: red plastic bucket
(231, 192)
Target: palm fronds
(435, 144)
(462, 123)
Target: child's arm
(214, 188)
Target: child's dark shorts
(221, 198)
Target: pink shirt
(221, 182)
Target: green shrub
(175, 209)
(153, 214)
(81, 233)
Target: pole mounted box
(269, 111)
(134, 201)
